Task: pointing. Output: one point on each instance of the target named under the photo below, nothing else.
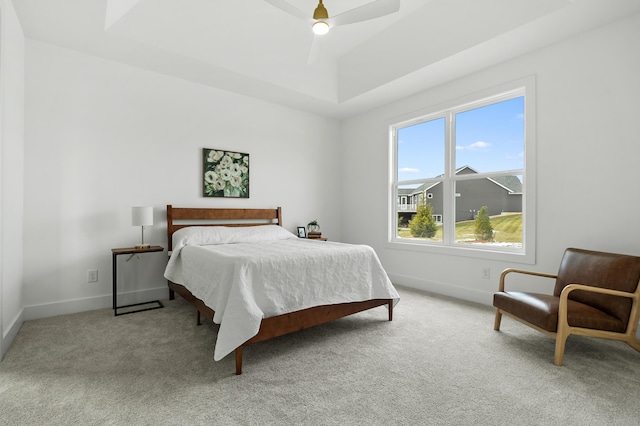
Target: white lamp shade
(320, 27)
(141, 216)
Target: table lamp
(142, 216)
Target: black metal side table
(114, 257)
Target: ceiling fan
(321, 23)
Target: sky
(488, 139)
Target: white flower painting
(226, 174)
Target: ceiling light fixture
(320, 27)
(321, 23)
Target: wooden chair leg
(239, 360)
(198, 322)
(496, 323)
(390, 309)
(561, 340)
(635, 344)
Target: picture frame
(302, 232)
(225, 173)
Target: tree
(483, 228)
(423, 225)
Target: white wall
(588, 89)
(102, 137)
(11, 177)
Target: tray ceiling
(253, 48)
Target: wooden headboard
(181, 217)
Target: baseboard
(48, 310)
(463, 293)
(12, 332)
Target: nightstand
(114, 258)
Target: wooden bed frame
(178, 218)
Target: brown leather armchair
(596, 294)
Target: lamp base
(143, 246)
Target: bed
(242, 270)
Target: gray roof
(510, 183)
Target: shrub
(423, 225)
(483, 228)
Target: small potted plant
(313, 226)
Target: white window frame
(525, 255)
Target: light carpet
(439, 362)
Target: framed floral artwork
(225, 173)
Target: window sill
(486, 253)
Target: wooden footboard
(286, 323)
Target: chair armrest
(574, 286)
(564, 296)
(520, 271)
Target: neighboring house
(500, 194)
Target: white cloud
(479, 145)
(515, 157)
(459, 148)
(408, 170)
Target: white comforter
(245, 282)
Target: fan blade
(314, 50)
(372, 10)
(286, 7)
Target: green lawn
(507, 229)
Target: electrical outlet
(92, 276)
(486, 273)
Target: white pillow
(210, 235)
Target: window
(462, 178)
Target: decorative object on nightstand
(142, 216)
(131, 251)
(313, 226)
(314, 230)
